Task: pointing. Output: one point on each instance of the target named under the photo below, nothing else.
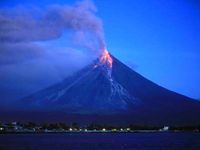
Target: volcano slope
(107, 91)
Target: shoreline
(100, 132)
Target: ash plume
(23, 26)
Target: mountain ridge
(107, 91)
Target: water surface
(101, 141)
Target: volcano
(107, 91)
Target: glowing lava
(105, 58)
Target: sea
(101, 141)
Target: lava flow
(105, 58)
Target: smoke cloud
(22, 26)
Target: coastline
(100, 132)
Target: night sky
(159, 39)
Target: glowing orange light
(105, 57)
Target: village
(30, 127)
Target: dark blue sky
(160, 39)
